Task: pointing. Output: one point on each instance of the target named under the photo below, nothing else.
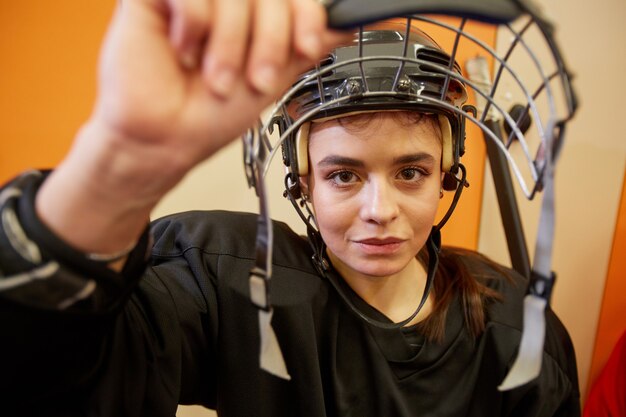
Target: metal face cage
(520, 97)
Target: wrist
(100, 197)
(116, 166)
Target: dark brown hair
(362, 121)
(454, 277)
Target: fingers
(309, 26)
(271, 44)
(226, 51)
(261, 40)
(312, 38)
(211, 36)
(191, 21)
(290, 36)
(285, 31)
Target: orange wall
(462, 228)
(48, 66)
(612, 321)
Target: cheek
(326, 215)
(422, 212)
(334, 217)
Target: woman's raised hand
(191, 75)
(178, 80)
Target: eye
(343, 177)
(409, 174)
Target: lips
(376, 246)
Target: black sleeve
(555, 393)
(134, 346)
(559, 346)
(140, 361)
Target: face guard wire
(259, 151)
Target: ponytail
(454, 276)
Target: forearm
(100, 197)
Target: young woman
(89, 330)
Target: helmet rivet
(325, 264)
(353, 87)
(404, 84)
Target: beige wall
(220, 183)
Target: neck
(396, 296)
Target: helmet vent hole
(435, 57)
(326, 61)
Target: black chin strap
(461, 184)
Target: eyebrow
(412, 158)
(333, 160)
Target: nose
(379, 203)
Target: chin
(370, 266)
(379, 269)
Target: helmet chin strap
(461, 184)
(433, 245)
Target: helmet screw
(404, 84)
(353, 87)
